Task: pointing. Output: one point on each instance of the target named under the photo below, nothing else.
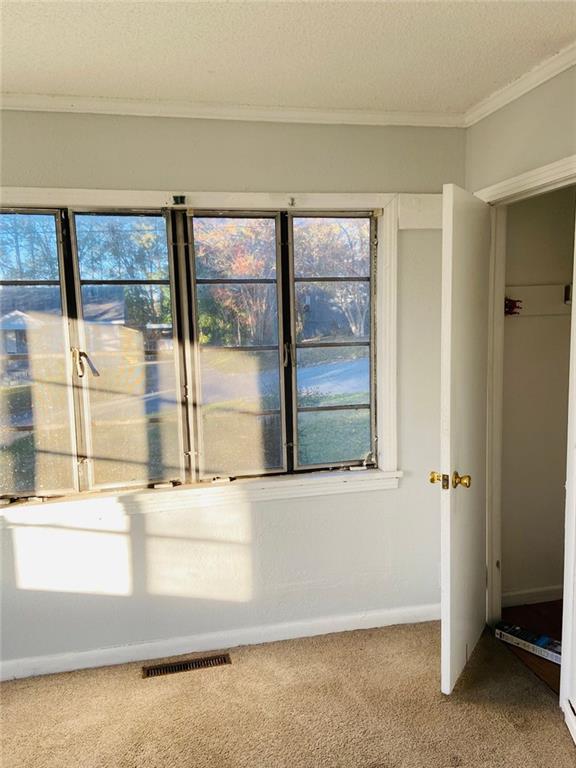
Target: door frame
(557, 175)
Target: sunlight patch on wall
(66, 560)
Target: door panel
(568, 670)
(465, 291)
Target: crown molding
(546, 178)
(540, 74)
(180, 109)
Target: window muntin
(37, 454)
(240, 398)
(132, 380)
(332, 327)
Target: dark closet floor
(543, 618)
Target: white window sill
(295, 486)
(258, 489)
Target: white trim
(540, 74)
(129, 198)
(419, 211)
(568, 676)
(570, 718)
(537, 181)
(531, 596)
(494, 430)
(249, 490)
(189, 110)
(386, 205)
(65, 662)
(560, 173)
(386, 337)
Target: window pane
(333, 376)
(331, 247)
(28, 247)
(122, 247)
(238, 385)
(36, 450)
(240, 443)
(146, 308)
(129, 449)
(237, 315)
(133, 387)
(238, 380)
(326, 437)
(333, 311)
(235, 247)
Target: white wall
(158, 572)
(142, 567)
(540, 241)
(532, 131)
(111, 152)
(83, 575)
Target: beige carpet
(366, 699)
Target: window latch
(78, 358)
(289, 355)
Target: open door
(464, 374)
(568, 670)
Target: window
(332, 328)
(138, 348)
(128, 335)
(37, 454)
(239, 347)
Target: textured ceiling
(441, 57)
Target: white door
(568, 671)
(464, 360)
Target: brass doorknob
(435, 477)
(463, 480)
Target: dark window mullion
(243, 348)
(236, 280)
(317, 408)
(188, 296)
(25, 283)
(335, 344)
(127, 281)
(176, 231)
(288, 339)
(71, 284)
(326, 279)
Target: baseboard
(122, 654)
(529, 596)
(570, 718)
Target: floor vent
(201, 662)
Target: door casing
(545, 179)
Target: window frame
(82, 386)
(199, 473)
(371, 344)
(286, 308)
(61, 283)
(309, 480)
